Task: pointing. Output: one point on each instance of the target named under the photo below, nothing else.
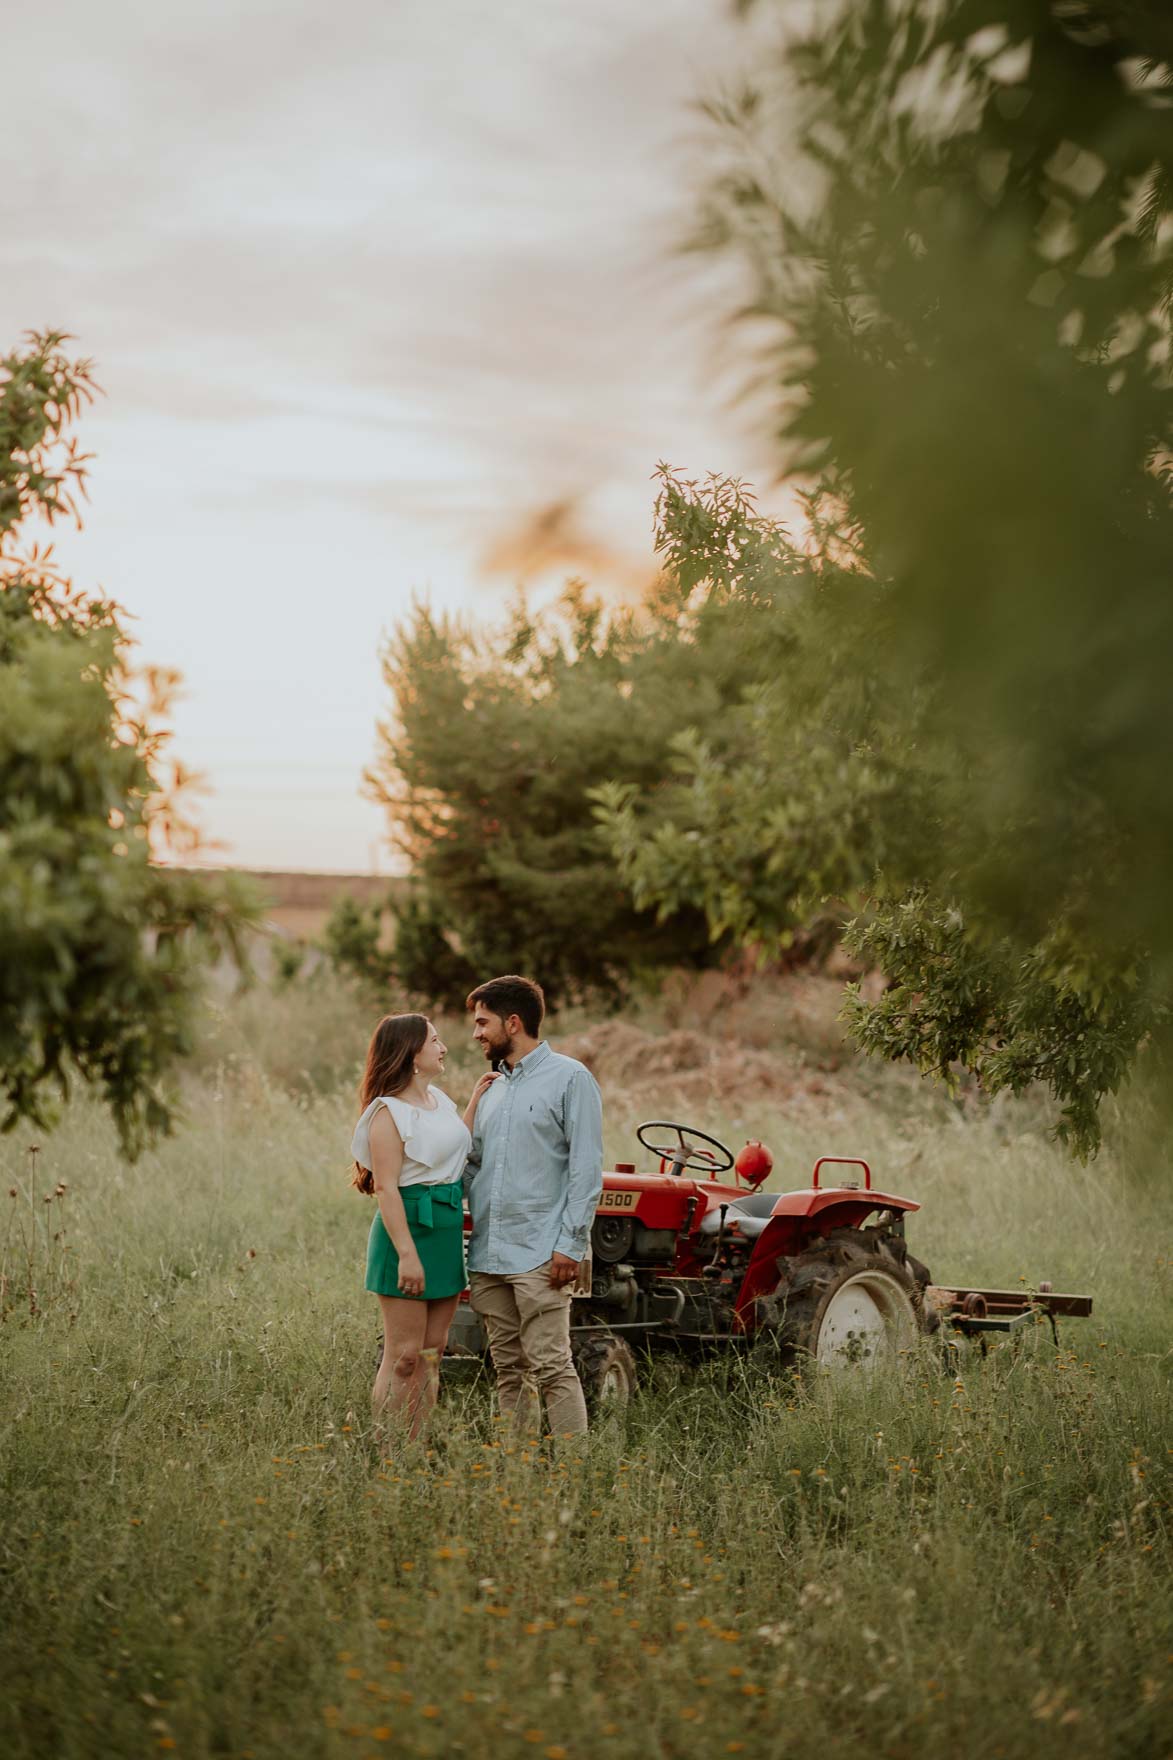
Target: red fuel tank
(754, 1164)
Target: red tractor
(681, 1260)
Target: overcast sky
(368, 286)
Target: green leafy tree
(956, 220)
(102, 951)
(498, 739)
(354, 941)
(397, 951)
(428, 962)
(802, 789)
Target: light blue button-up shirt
(535, 1171)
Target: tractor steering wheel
(682, 1154)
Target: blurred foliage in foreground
(957, 226)
(101, 951)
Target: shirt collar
(531, 1060)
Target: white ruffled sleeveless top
(436, 1142)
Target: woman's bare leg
(435, 1338)
(438, 1322)
(396, 1392)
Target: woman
(409, 1147)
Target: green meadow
(205, 1555)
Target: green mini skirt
(435, 1216)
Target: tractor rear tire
(606, 1367)
(854, 1299)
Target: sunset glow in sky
(367, 288)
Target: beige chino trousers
(528, 1324)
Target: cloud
(383, 293)
(553, 540)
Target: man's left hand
(562, 1270)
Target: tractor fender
(818, 1199)
(799, 1217)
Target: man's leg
(493, 1299)
(545, 1342)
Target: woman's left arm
(486, 1081)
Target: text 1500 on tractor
(681, 1260)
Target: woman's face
(429, 1060)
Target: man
(533, 1180)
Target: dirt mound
(617, 1051)
(682, 1063)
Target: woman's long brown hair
(395, 1044)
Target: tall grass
(203, 1553)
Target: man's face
(492, 1033)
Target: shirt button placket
(498, 1171)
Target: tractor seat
(750, 1213)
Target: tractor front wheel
(852, 1300)
(606, 1368)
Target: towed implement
(681, 1260)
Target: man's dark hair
(512, 995)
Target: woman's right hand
(411, 1274)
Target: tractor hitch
(979, 1312)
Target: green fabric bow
(450, 1197)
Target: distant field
(203, 1555)
(300, 903)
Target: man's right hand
(562, 1271)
